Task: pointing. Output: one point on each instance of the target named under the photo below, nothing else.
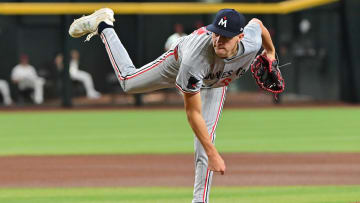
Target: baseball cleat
(89, 24)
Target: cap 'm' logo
(223, 21)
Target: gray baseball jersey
(191, 65)
(201, 68)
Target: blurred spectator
(5, 92)
(304, 45)
(198, 24)
(307, 52)
(25, 77)
(82, 76)
(59, 68)
(59, 62)
(179, 32)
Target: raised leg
(147, 78)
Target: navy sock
(103, 26)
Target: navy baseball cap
(228, 23)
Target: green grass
(159, 131)
(320, 194)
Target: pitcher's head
(227, 31)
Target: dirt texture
(177, 170)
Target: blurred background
(87, 147)
(321, 41)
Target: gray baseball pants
(159, 74)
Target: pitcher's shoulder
(197, 43)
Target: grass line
(313, 194)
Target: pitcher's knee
(128, 88)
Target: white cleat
(89, 24)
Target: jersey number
(226, 81)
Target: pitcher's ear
(241, 36)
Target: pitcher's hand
(216, 163)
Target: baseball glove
(267, 74)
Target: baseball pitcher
(201, 65)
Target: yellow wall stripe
(158, 8)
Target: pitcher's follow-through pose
(201, 65)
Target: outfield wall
(316, 58)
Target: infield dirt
(177, 170)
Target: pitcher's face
(226, 47)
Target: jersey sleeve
(252, 40)
(188, 79)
